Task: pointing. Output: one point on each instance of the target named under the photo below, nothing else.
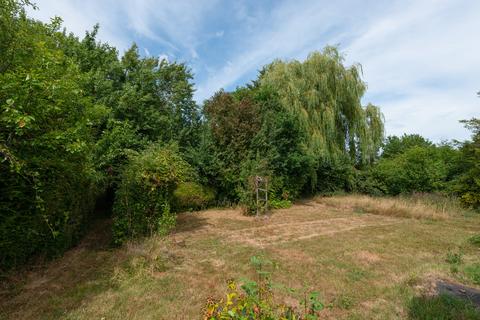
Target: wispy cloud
(420, 57)
(80, 16)
(422, 65)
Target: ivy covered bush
(145, 195)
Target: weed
(454, 258)
(356, 274)
(475, 240)
(344, 302)
(256, 301)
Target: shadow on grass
(187, 222)
(51, 289)
(92, 270)
(442, 307)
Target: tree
(325, 96)
(47, 180)
(157, 99)
(395, 145)
(467, 184)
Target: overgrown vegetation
(78, 121)
(146, 190)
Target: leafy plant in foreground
(256, 300)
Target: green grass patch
(443, 307)
(473, 272)
(475, 240)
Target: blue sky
(420, 58)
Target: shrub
(467, 184)
(366, 182)
(418, 169)
(191, 195)
(143, 199)
(47, 178)
(279, 204)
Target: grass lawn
(369, 259)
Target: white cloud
(80, 16)
(176, 24)
(420, 57)
(163, 57)
(289, 32)
(421, 63)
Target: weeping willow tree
(326, 97)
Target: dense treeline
(79, 122)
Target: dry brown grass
(416, 208)
(356, 251)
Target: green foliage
(325, 96)
(192, 196)
(410, 164)
(157, 99)
(298, 124)
(467, 183)
(279, 204)
(394, 146)
(256, 300)
(71, 113)
(281, 144)
(47, 177)
(442, 307)
(417, 169)
(145, 194)
(118, 140)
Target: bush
(418, 169)
(47, 178)
(144, 197)
(279, 204)
(467, 184)
(367, 182)
(191, 196)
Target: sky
(420, 58)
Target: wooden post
(261, 185)
(256, 188)
(266, 195)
